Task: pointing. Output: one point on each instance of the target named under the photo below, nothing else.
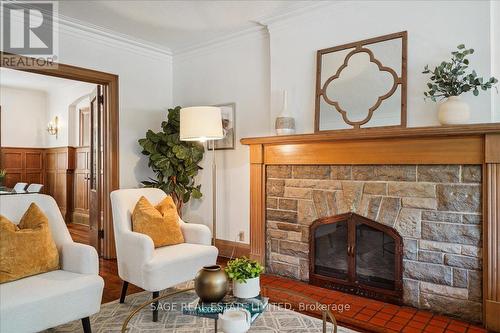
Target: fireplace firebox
(354, 254)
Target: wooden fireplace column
(471, 144)
(491, 232)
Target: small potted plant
(245, 275)
(451, 79)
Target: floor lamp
(204, 123)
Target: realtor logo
(28, 27)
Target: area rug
(170, 318)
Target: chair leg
(86, 325)
(124, 291)
(155, 306)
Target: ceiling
(175, 24)
(25, 80)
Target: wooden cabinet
(82, 185)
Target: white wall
(145, 88)
(434, 28)
(23, 117)
(242, 71)
(237, 71)
(495, 55)
(60, 103)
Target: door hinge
(100, 99)
(100, 234)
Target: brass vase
(211, 283)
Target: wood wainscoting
(59, 167)
(23, 165)
(51, 167)
(472, 144)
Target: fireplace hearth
(354, 254)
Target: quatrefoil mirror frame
(360, 47)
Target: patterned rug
(170, 318)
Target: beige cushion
(27, 248)
(161, 223)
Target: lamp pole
(214, 195)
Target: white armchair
(50, 299)
(153, 269)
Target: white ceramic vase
(453, 111)
(248, 289)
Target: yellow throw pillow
(161, 223)
(27, 248)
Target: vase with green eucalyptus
(175, 162)
(449, 80)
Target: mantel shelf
(378, 133)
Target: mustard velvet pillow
(27, 248)
(161, 223)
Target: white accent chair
(50, 299)
(19, 187)
(34, 188)
(153, 269)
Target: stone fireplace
(437, 188)
(435, 208)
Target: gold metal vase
(211, 283)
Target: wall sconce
(53, 127)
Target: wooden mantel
(471, 144)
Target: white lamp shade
(201, 123)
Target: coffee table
(255, 306)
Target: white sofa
(156, 269)
(50, 299)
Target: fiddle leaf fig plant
(175, 162)
(242, 269)
(453, 78)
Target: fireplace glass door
(375, 257)
(354, 254)
(331, 248)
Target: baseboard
(230, 249)
(492, 320)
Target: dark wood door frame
(110, 125)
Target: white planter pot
(250, 288)
(453, 111)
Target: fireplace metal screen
(351, 253)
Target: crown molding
(79, 28)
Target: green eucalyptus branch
(174, 162)
(453, 79)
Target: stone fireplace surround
(442, 146)
(435, 208)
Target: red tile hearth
(366, 314)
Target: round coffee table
(271, 293)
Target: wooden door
(96, 153)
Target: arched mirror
(362, 84)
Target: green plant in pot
(245, 274)
(451, 79)
(175, 162)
